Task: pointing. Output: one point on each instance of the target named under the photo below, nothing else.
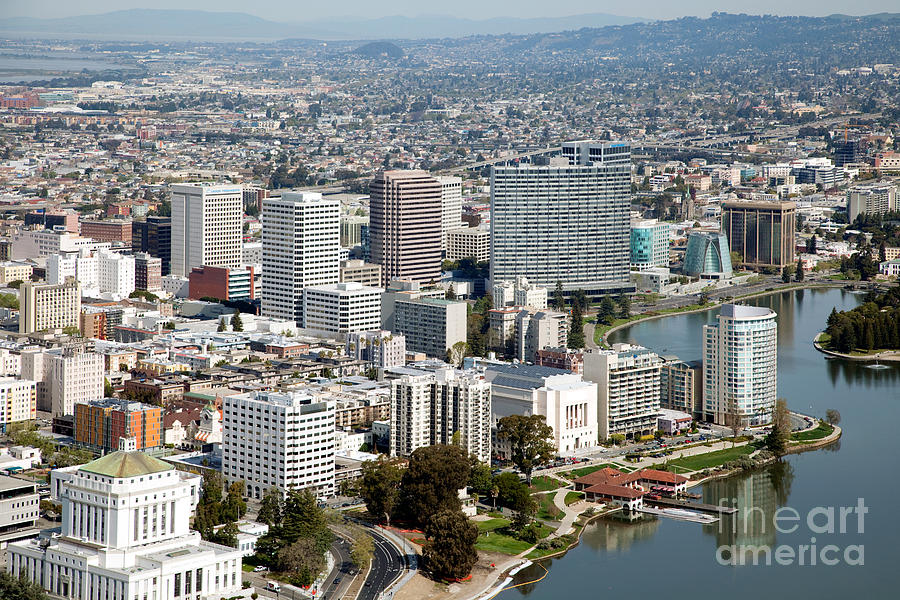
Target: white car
(258, 569)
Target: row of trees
(873, 325)
(298, 535)
(26, 434)
(214, 510)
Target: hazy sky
(301, 10)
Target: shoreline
(712, 305)
(886, 355)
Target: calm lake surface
(677, 559)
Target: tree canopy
(449, 551)
(432, 481)
(530, 442)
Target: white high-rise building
(342, 307)
(430, 408)
(126, 534)
(628, 389)
(451, 207)
(740, 365)
(115, 273)
(206, 226)
(566, 222)
(100, 271)
(279, 440)
(300, 249)
(431, 325)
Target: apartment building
(468, 242)
(18, 401)
(681, 385)
(101, 424)
(46, 307)
(451, 208)
(430, 325)
(740, 365)
(361, 272)
(520, 292)
(431, 408)
(628, 389)
(381, 349)
(567, 221)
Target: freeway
(387, 566)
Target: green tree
(624, 303)
(785, 275)
(379, 487)
(606, 312)
(576, 328)
(271, 508)
(449, 551)
(559, 300)
(432, 481)
(234, 507)
(777, 440)
(530, 441)
(480, 479)
(222, 326)
(363, 550)
(832, 416)
(236, 323)
(301, 560)
(19, 588)
(227, 535)
(798, 273)
(456, 353)
(811, 245)
(108, 390)
(450, 294)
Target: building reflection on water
(756, 495)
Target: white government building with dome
(126, 536)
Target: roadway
(387, 566)
(341, 575)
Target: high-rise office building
(740, 363)
(206, 226)
(431, 325)
(342, 308)
(430, 408)
(565, 222)
(628, 389)
(154, 236)
(301, 248)
(762, 233)
(147, 272)
(277, 440)
(49, 306)
(649, 245)
(451, 207)
(405, 225)
(849, 151)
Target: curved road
(387, 566)
(339, 579)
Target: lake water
(34, 68)
(685, 560)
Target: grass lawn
(546, 508)
(573, 497)
(822, 431)
(581, 472)
(544, 484)
(711, 459)
(492, 524)
(495, 541)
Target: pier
(698, 506)
(679, 515)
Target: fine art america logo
(751, 535)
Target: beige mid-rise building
(47, 306)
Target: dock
(698, 506)
(679, 515)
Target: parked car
(273, 586)
(259, 569)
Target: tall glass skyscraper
(740, 365)
(567, 221)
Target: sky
(305, 10)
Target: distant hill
(379, 49)
(206, 25)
